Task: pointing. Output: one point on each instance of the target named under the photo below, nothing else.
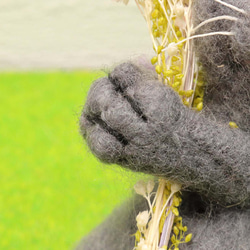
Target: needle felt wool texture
(133, 120)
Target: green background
(53, 191)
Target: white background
(69, 34)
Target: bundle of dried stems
(172, 32)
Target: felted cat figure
(133, 120)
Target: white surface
(69, 34)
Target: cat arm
(135, 121)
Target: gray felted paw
(129, 118)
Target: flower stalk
(155, 226)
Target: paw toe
(127, 74)
(104, 146)
(100, 96)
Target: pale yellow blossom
(142, 219)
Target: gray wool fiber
(133, 120)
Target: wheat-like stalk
(155, 226)
(172, 32)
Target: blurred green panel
(53, 191)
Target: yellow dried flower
(158, 69)
(176, 201)
(155, 14)
(188, 237)
(173, 239)
(199, 107)
(176, 230)
(233, 125)
(175, 211)
(154, 60)
(159, 49)
(168, 73)
(137, 236)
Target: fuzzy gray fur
(133, 120)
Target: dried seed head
(172, 49)
(150, 186)
(179, 10)
(140, 188)
(145, 247)
(142, 219)
(175, 187)
(142, 245)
